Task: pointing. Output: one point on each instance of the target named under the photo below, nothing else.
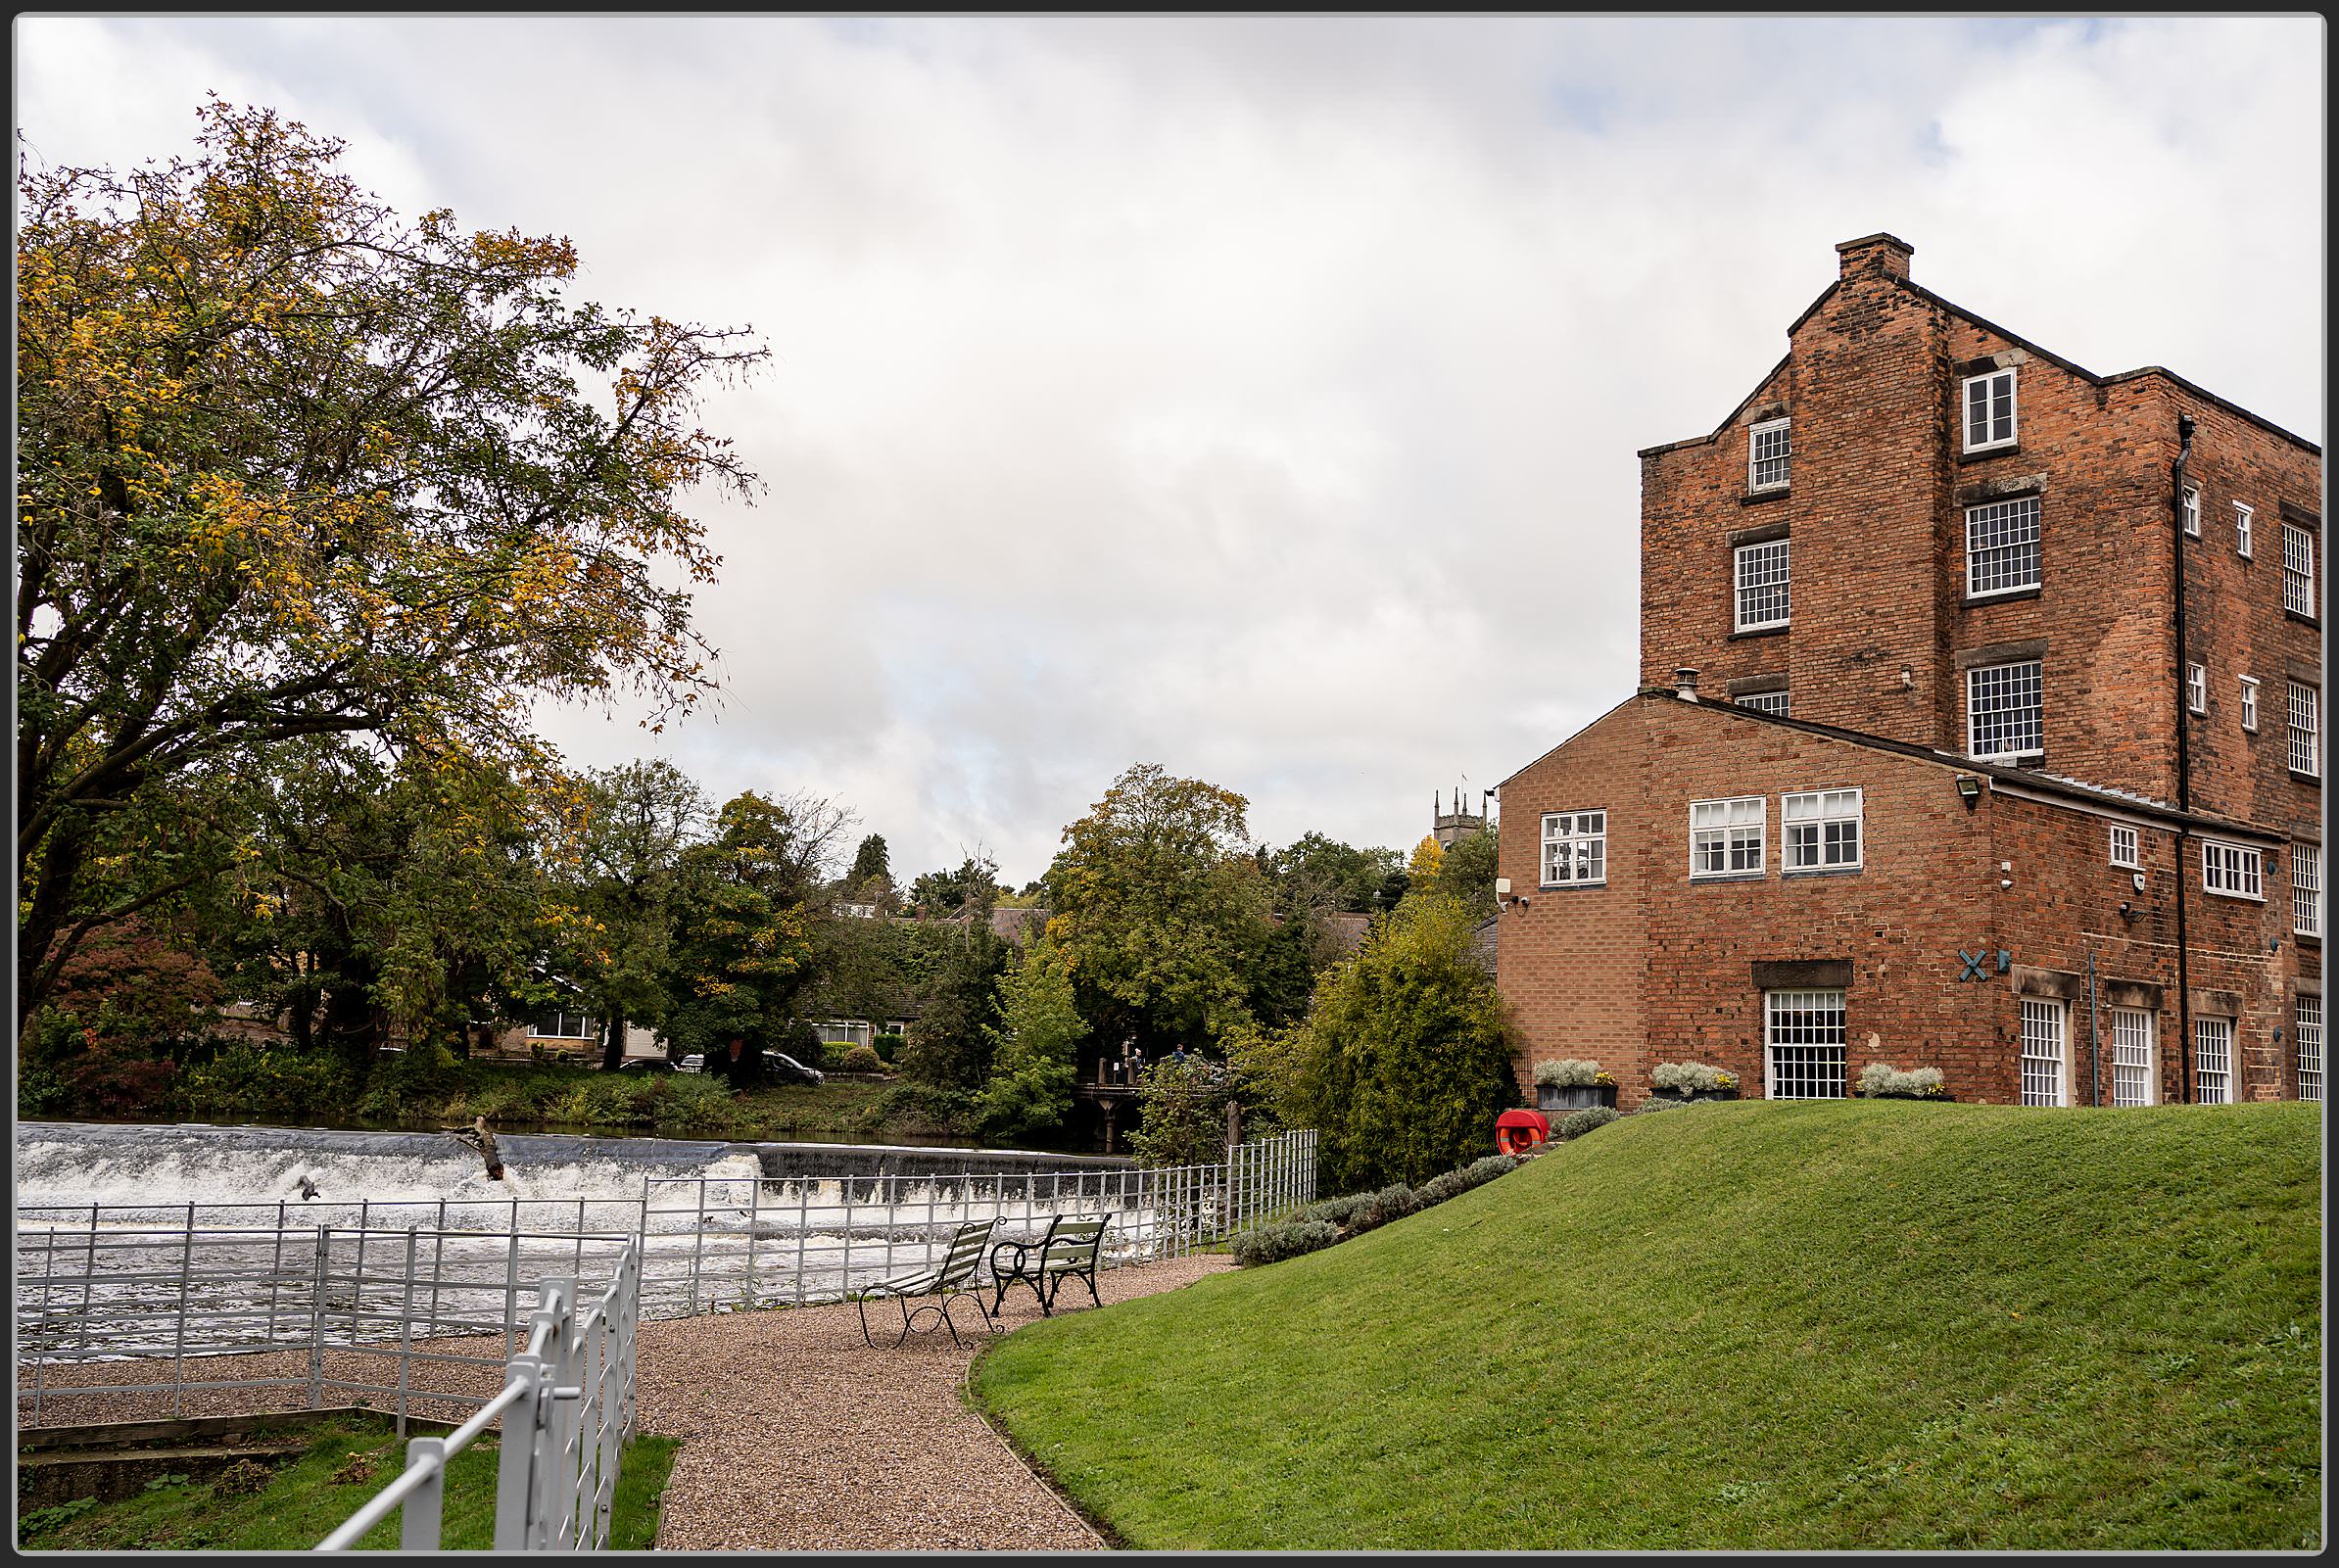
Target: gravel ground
(795, 1435)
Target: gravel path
(795, 1435)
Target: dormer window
(1989, 411)
(1767, 452)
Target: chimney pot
(1685, 682)
(1875, 255)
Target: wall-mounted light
(1969, 789)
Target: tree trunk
(612, 1044)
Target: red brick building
(1932, 763)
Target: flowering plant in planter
(1573, 1085)
(1880, 1081)
(1693, 1077)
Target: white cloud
(1258, 396)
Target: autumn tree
(1160, 909)
(291, 464)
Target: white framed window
(2233, 870)
(2249, 688)
(2002, 546)
(2212, 1061)
(2306, 730)
(1767, 452)
(1764, 703)
(563, 1025)
(2306, 890)
(2192, 512)
(1575, 848)
(2196, 687)
(2307, 1025)
(2044, 1078)
(1803, 1044)
(2125, 848)
(1818, 830)
(2136, 1076)
(2004, 712)
(2298, 569)
(1726, 836)
(1989, 411)
(1762, 593)
(2242, 519)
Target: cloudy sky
(1258, 397)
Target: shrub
(1568, 1075)
(1271, 1243)
(247, 1080)
(1576, 1123)
(1395, 1202)
(861, 1058)
(1657, 1102)
(1340, 1211)
(1690, 1077)
(887, 1046)
(1882, 1081)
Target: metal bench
(1068, 1248)
(955, 1275)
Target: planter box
(1693, 1097)
(1574, 1096)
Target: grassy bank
(306, 1498)
(1756, 1325)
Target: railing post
(405, 1334)
(515, 1474)
(419, 1515)
(179, 1348)
(316, 1324)
(275, 1268)
(511, 1286)
(755, 1224)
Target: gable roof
(2022, 343)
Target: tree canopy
(291, 464)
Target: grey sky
(1257, 396)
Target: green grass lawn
(1839, 1324)
(309, 1497)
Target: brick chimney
(1875, 255)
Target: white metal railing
(566, 1409)
(389, 1284)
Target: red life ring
(1518, 1131)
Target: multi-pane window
(2004, 713)
(1764, 703)
(2212, 1061)
(1575, 847)
(2242, 519)
(2133, 1082)
(1726, 835)
(2307, 1019)
(2042, 1051)
(1761, 585)
(2192, 512)
(1767, 452)
(2235, 870)
(2306, 890)
(2124, 845)
(1989, 411)
(563, 1025)
(2002, 546)
(2249, 688)
(1820, 829)
(2306, 730)
(2298, 569)
(1803, 1034)
(2196, 687)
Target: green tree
(290, 464)
(1030, 1086)
(616, 909)
(1317, 872)
(970, 891)
(1161, 910)
(741, 947)
(1404, 1060)
(949, 1046)
(1182, 1111)
(870, 878)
